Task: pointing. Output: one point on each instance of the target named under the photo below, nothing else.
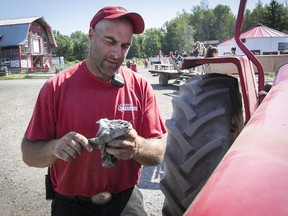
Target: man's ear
(91, 33)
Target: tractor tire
(163, 79)
(207, 117)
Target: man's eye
(109, 41)
(126, 46)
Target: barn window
(5, 61)
(282, 46)
(36, 46)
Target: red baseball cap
(113, 12)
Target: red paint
(253, 176)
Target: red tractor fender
(252, 178)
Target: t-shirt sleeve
(42, 123)
(153, 123)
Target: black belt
(101, 198)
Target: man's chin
(109, 72)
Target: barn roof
(14, 35)
(13, 32)
(258, 31)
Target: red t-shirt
(74, 100)
(133, 67)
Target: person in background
(146, 62)
(133, 66)
(195, 51)
(202, 50)
(171, 55)
(184, 54)
(177, 56)
(64, 120)
(233, 51)
(211, 52)
(128, 63)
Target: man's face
(109, 45)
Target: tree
(251, 18)
(64, 46)
(276, 16)
(202, 20)
(212, 24)
(135, 49)
(179, 34)
(201, 24)
(152, 42)
(248, 20)
(80, 45)
(224, 22)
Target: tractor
(227, 143)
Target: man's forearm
(150, 152)
(37, 154)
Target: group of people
(132, 65)
(176, 56)
(199, 50)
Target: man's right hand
(45, 153)
(71, 146)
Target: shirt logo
(127, 107)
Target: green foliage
(4, 69)
(276, 16)
(202, 20)
(80, 45)
(73, 47)
(179, 34)
(152, 41)
(273, 15)
(224, 23)
(200, 24)
(135, 49)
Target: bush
(3, 71)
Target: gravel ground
(22, 188)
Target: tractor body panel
(252, 177)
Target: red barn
(26, 43)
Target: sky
(67, 16)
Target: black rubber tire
(163, 79)
(207, 117)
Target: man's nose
(117, 52)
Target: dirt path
(22, 188)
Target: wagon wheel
(207, 117)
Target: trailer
(167, 69)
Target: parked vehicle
(214, 117)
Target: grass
(23, 75)
(13, 76)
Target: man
(233, 51)
(134, 66)
(65, 116)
